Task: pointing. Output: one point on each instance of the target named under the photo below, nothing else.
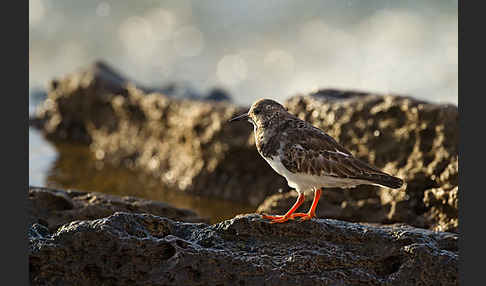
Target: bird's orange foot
(303, 216)
(277, 218)
(271, 216)
(283, 218)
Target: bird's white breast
(302, 182)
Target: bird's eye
(256, 111)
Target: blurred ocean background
(251, 49)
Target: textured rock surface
(53, 208)
(189, 145)
(136, 249)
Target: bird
(307, 157)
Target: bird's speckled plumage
(307, 157)
(302, 149)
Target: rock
(76, 167)
(53, 208)
(189, 145)
(37, 95)
(218, 94)
(143, 249)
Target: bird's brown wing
(312, 151)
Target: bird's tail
(388, 181)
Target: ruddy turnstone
(306, 156)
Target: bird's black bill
(239, 117)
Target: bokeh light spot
(138, 38)
(103, 9)
(162, 22)
(188, 41)
(37, 11)
(279, 63)
(232, 69)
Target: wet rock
(184, 91)
(53, 208)
(37, 95)
(188, 145)
(218, 94)
(142, 249)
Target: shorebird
(307, 157)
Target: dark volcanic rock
(142, 249)
(189, 145)
(53, 208)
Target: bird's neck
(267, 141)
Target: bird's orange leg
(288, 215)
(312, 211)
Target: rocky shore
(144, 249)
(52, 208)
(363, 236)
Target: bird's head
(263, 112)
